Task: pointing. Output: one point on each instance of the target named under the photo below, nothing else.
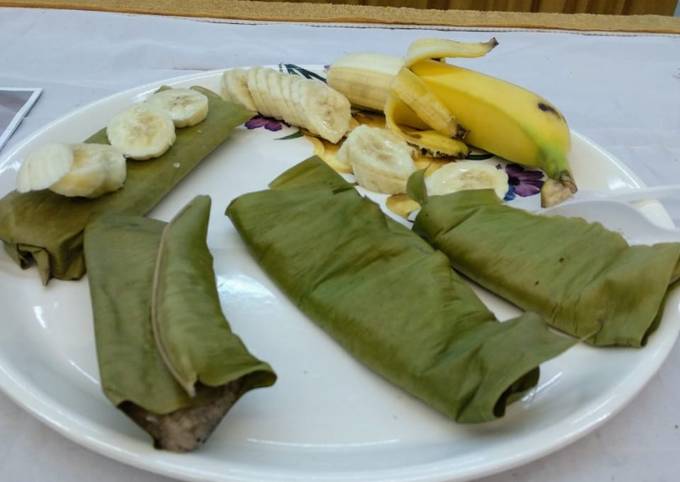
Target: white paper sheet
(14, 106)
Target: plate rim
(49, 412)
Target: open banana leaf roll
(45, 228)
(167, 357)
(583, 279)
(389, 298)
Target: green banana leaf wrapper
(389, 298)
(583, 279)
(166, 354)
(46, 228)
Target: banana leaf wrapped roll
(167, 357)
(583, 279)
(389, 298)
(45, 228)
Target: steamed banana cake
(387, 297)
(175, 368)
(585, 280)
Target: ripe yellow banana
(500, 117)
(506, 120)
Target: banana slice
(97, 169)
(327, 112)
(112, 161)
(380, 160)
(266, 93)
(141, 132)
(255, 92)
(186, 107)
(287, 106)
(44, 166)
(328, 152)
(224, 88)
(274, 80)
(235, 85)
(296, 86)
(466, 175)
(294, 111)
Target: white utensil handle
(671, 190)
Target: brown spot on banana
(461, 132)
(545, 107)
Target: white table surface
(621, 91)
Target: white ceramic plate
(327, 418)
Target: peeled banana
(78, 170)
(306, 103)
(498, 117)
(380, 160)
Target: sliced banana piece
(288, 107)
(380, 160)
(466, 175)
(235, 85)
(255, 92)
(274, 81)
(84, 180)
(328, 152)
(224, 88)
(141, 132)
(97, 169)
(112, 161)
(292, 95)
(326, 111)
(186, 107)
(44, 166)
(266, 93)
(296, 86)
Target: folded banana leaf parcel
(45, 228)
(167, 357)
(583, 279)
(388, 297)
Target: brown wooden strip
(331, 13)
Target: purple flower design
(266, 122)
(522, 182)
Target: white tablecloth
(621, 91)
